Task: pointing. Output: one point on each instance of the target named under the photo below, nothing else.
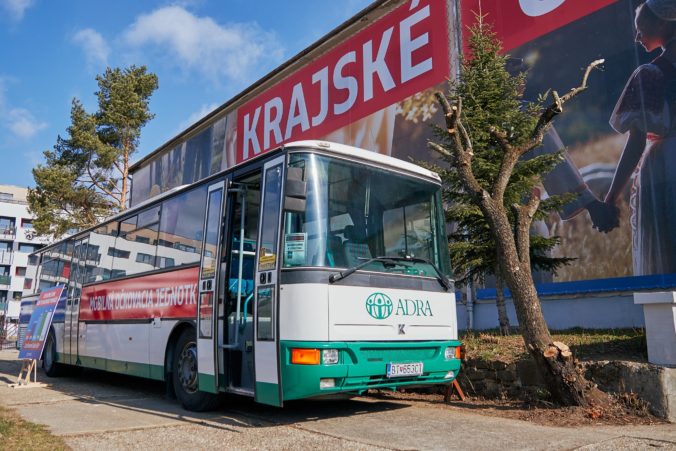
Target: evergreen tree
(85, 176)
(492, 186)
(494, 97)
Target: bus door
(267, 387)
(208, 305)
(77, 273)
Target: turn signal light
(305, 356)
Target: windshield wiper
(384, 260)
(441, 278)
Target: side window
(100, 252)
(138, 235)
(267, 259)
(181, 228)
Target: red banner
(400, 54)
(519, 21)
(170, 294)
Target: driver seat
(355, 247)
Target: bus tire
(184, 375)
(49, 364)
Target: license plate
(404, 369)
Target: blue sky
(204, 52)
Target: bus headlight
(449, 353)
(329, 356)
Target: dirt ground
(626, 410)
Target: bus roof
(379, 159)
(324, 146)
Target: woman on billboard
(647, 109)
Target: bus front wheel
(184, 375)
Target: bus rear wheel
(184, 375)
(49, 364)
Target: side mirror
(296, 190)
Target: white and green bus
(315, 269)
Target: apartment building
(17, 241)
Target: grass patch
(586, 344)
(19, 434)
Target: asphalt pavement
(105, 411)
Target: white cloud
(197, 115)
(16, 8)
(93, 45)
(19, 121)
(22, 123)
(199, 43)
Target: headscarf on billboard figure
(646, 110)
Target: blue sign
(40, 322)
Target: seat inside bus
(355, 247)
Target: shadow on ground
(144, 396)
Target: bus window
(99, 254)
(138, 234)
(181, 228)
(356, 212)
(273, 190)
(251, 192)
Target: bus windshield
(355, 212)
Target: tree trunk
(503, 319)
(559, 372)
(125, 175)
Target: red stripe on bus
(170, 294)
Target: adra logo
(380, 306)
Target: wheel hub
(187, 367)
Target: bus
(315, 269)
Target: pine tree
(492, 186)
(85, 176)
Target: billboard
(372, 86)
(372, 89)
(617, 133)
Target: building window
(145, 258)
(6, 196)
(26, 223)
(17, 295)
(20, 271)
(28, 248)
(118, 253)
(6, 225)
(115, 273)
(27, 284)
(166, 262)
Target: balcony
(7, 232)
(5, 279)
(6, 257)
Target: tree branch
(461, 154)
(509, 159)
(95, 182)
(556, 108)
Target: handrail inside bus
(242, 323)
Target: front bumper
(363, 365)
